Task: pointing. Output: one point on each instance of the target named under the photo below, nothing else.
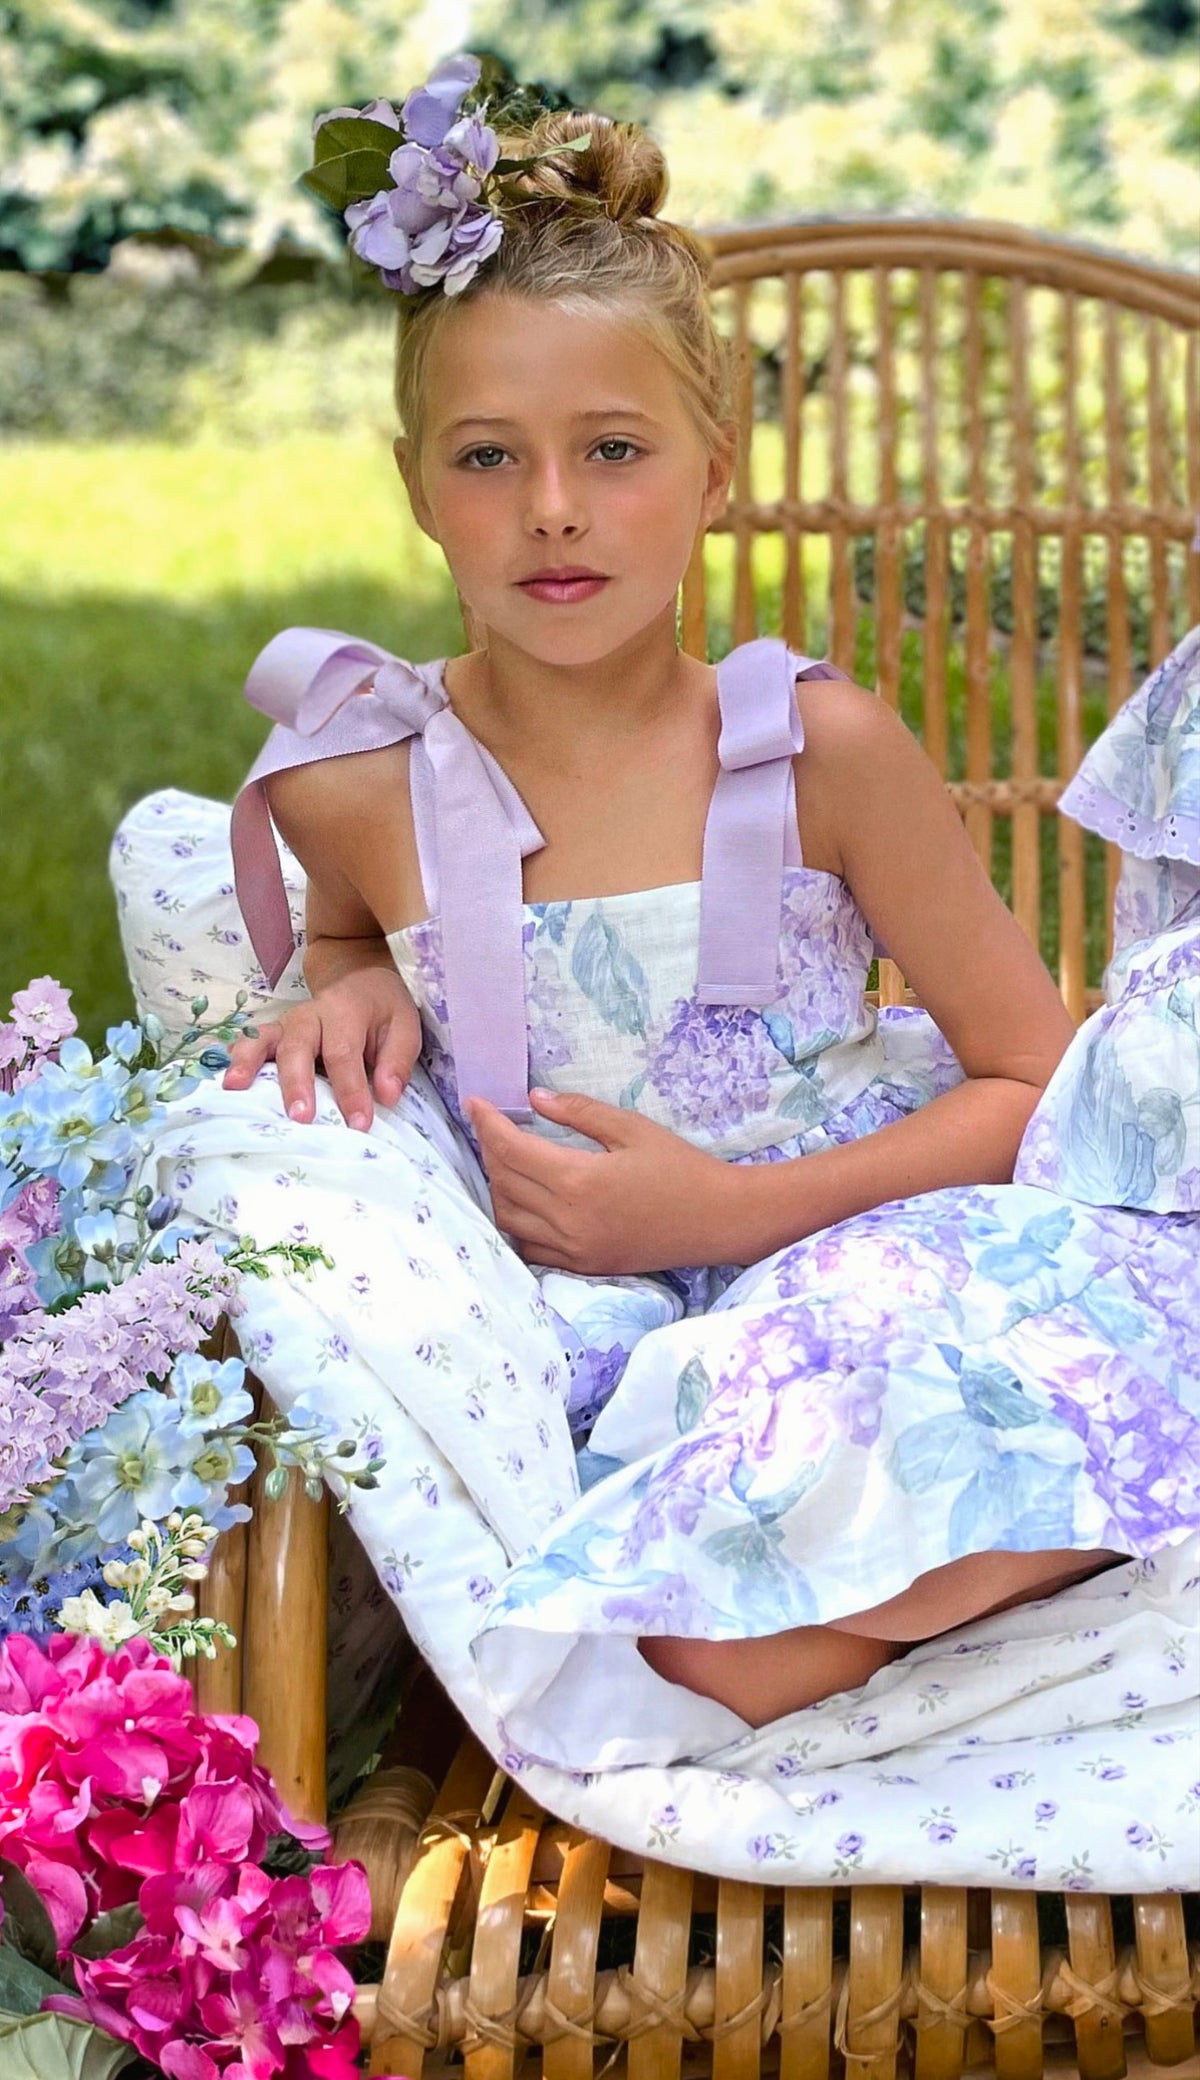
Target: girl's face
(556, 442)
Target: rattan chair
(970, 474)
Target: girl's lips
(562, 591)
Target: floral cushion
(181, 929)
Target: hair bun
(621, 172)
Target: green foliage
(123, 116)
(170, 352)
(1050, 113)
(55, 2047)
(120, 116)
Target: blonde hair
(582, 231)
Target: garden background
(195, 415)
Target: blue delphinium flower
(216, 1465)
(30, 1603)
(132, 1468)
(209, 1396)
(71, 1128)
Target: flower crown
(424, 211)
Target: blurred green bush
(170, 353)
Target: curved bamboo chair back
(970, 464)
(969, 473)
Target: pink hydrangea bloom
(109, 1776)
(113, 1788)
(235, 1974)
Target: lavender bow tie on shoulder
(329, 694)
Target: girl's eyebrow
(608, 411)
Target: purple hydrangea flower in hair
(430, 110)
(473, 142)
(376, 112)
(428, 228)
(438, 221)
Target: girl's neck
(513, 701)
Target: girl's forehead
(503, 356)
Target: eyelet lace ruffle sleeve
(1140, 783)
(1119, 1121)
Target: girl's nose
(555, 504)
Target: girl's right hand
(366, 1022)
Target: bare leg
(973, 1587)
(764, 1679)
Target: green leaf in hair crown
(416, 185)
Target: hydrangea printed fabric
(994, 1367)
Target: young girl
(622, 904)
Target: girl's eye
(489, 455)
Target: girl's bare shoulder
(318, 793)
(853, 742)
(349, 821)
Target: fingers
(608, 1124)
(343, 1056)
(296, 1058)
(248, 1056)
(506, 1146)
(346, 1038)
(527, 1233)
(394, 1055)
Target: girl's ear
(410, 471)
(720, 474)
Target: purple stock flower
(62, 1375)
(42, 1011)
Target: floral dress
(981, 1368)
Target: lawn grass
(137, 582)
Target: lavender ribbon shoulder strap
(329, 693)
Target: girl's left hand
(646, 1200)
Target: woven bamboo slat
(978, 663)
(811, 2007)
(793, 605)
(988, 529)
(660, 1971)
(502, 1921)
(217, 1684)
(1072, 972)
(286, 1619)
(887, 548)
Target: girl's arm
(360, 1017)
(873, 810)
(896, 839)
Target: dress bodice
(613, 1010)
(730, 1009)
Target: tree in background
(1072, 118)
(118, 116)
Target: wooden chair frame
(464, 1867)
